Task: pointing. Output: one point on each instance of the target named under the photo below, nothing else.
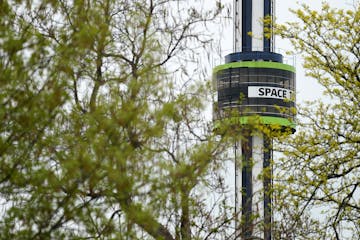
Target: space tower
(254, 88)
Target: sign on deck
(269, 92)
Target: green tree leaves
(321, 162)
(100, 137)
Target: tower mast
(255, 88)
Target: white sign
(269, 92)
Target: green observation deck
(255, 91)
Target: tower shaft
(249, 18)
(253, 184)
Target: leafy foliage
(320, 171)
(101, 137)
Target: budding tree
(102, 134)
(319, 175)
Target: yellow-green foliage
(320, 169)
(102, 134)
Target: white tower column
(238, 187)
(237, 25)
(257, 19)
(258, 184)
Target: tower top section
(250, 42)
(249, 18)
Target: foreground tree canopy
(319, 176)
(102, 134)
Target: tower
(254, 86)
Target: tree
(101, 133)
(319, 175)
